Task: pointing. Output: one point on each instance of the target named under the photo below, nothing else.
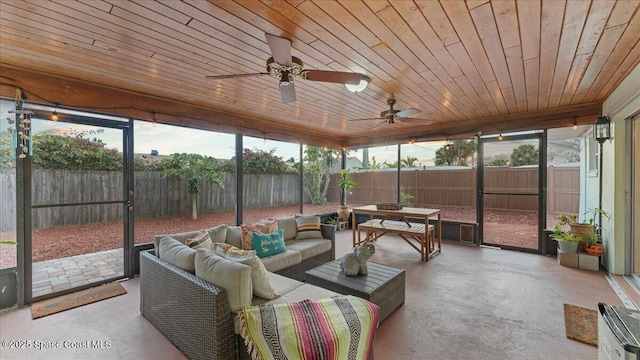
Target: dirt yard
(57, 242)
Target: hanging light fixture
(602, 129)
(361, 86)
(500, 136)
(54, 116)
(575, 123)
(447, 146)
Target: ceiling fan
(392, 115)
(286, 68)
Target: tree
(525, 154)
(258, 161)
(193, 168)
(263, 162)
(318, 163)
(499, 162)
(376, 165)
(7, 157)
(458, 153)
(77, 152)
(409, 161)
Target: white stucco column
(623, 102)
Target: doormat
(76, 299)
(581, 324)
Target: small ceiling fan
(286, 68)
(392, 115)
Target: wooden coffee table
(383, 285)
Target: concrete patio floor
(466, 303)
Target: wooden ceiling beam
(534, 120)
(50, 89)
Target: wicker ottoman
(383, 286)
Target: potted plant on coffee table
(346, 184)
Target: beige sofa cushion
(259, 276)
(281, 284)
(181, 237)
(218, 233)
(303, 292)
(234, 236)
(309, 248)
(233, 277)
(177, 253)
(282, 260)
(289, 226)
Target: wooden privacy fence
(154, 196)
(458, 188)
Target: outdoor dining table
(397, 222)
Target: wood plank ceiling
(489, 66)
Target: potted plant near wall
(567, 241)
(587, 232)
(347, 184)
(594, 244)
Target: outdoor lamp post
(601, 133)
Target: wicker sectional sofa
(196, 315)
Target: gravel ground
(57, 242)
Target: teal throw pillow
(269, 244)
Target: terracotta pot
(594, 249)
(343, 213)
(584, 230)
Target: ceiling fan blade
(378, 118)
(280, 49)
(378, 126)
(288, 93)
(407, 113)
(333, 76)
(416, 121)
(235, 76)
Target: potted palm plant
(346, 184)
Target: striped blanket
(338, 328)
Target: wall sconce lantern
(602, 129)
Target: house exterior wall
(623, 102)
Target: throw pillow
(269, 244)
(201, 241)
(261, 227)
(234, 278)
(177, 253)
(259, 276)
(218, 233)
(308, 227)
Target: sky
(168, 139)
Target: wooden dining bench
(408, 231)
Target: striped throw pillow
(308, 227)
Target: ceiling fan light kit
(361, 86)
(286, 68)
